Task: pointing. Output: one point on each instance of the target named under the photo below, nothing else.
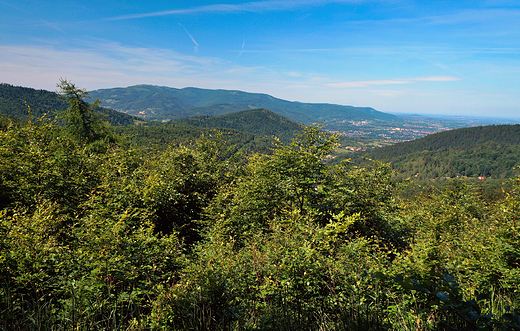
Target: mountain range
(166, 103)
(162, 104)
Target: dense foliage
(159, 137)
(201, 237)
(487, 151)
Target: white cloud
(243, 46)
(101, 65)
(299, 86)
(295, 74)
(51, 25)
(474, 16)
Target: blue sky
(430, 57)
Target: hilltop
(256, 121)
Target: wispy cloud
(294, 74)
(300, 86)
(51, 25)
(192, 39)
(474, 16)
(367, 83)
(103, 64)
(15, 7)
(454, 17)
(355, 84)
(253, 7)
(437, 79)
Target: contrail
(251, 7)
(243, 45)
(192, 39)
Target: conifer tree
(83, 124)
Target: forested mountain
(484, 151)
(212, 110)
(15, 100)
(464, 138)
(249, 130)
(153, 102)
(257, 121)
(161, 136)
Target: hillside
(484, 151)
(212, 110)
(15, 99)
(246, 129)
(154, 102)
(256, 121)
(464, 138)
(249, 130)
(159, 137)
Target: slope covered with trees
(15, 103)
(464, 138)
(161, 136)
(15, 99)
(99, 235)
(153, 102)
(256, 121)
(485, 151)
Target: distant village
(395, 134)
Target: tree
(293, 178)
(83, 124)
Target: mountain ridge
(203, 102)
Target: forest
(98, 232)
(484, 156)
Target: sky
(399, 56)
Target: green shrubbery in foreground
(95, 235)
